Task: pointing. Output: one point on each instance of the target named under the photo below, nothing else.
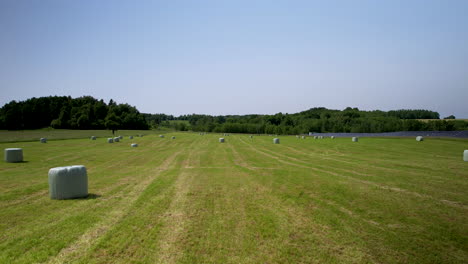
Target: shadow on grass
(91, 196)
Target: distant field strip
(195, 200)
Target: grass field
(194, 200)
(59, 134)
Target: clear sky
(239, 57)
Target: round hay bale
(173, 137)
(110, 140)
(120, 137)
(130, 137)
(221, 140)
(303, 137)
(13, 155)
(251, 136)
(43, 140)
(93, 138)
(134, 145)
(465, 155)
(315, 137)
(332, 137)
(117, 139)
(297, 136)
(355, 139)
(161, 136)
(419, 138)
(276, 141)
(68, 182)
(321, 137)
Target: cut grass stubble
(193, 200)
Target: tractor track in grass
(279, 157)
(379, 168)
(303, 233)
(243, 164)
(187, 163)
(175, 217)
(86, 240)
(175, 221)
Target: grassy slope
(194, 200)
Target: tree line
(72, 113)
(319, 120)
(89, 113)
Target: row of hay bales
(353, 139)
(71, 182)
(68, 182)
(117, 139)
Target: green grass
(194, 200)
(58, 134)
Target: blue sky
(239, 57)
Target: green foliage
(414, 114)
(450, 117)
(65, 112)
(318, 119)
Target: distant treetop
(73, 113)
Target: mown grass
(194, 200)
(58, 134)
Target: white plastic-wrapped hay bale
(303, 137)
(297, 136)
(321, 137)
(419, 138)
(130, 137)
(251, 136)
(221, 140)
(161, 136)
(68, 182)
(120, 137)
(13, 155)
(117, 139)
(355, 139)
(332, 137)
(110, 140)
(310, 133)
(276, 141)
(173, 137)
(134, 145)
(315, 137)
(465, 155)
(43, 140)
(93, 138)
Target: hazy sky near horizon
(239, 57)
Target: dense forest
(65, 112)
(313, 120)
(89, 113)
